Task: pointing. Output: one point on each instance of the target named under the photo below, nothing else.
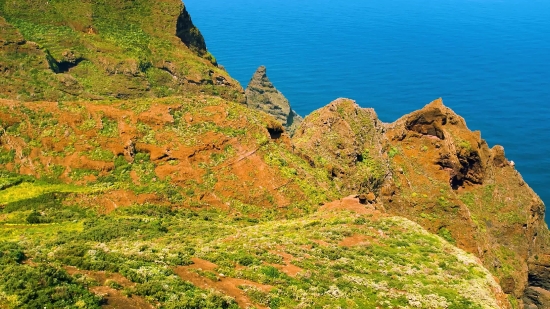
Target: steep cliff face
(432, 169)
(262, 95)
(63, 50)
(473, 192)
(189, 34)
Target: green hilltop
(97, 50)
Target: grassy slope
(112, 48)
(396, 263)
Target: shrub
(270, 271)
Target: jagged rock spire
(262, 95)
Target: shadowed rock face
(189, 34)
(536, 298)
(263, 96)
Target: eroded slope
(187, 152)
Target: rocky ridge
(262, 95)
(429, 167)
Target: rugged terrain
(136, 173)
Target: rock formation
(263, 96)
(345, 140)
(429, 167)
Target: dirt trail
(288, 268)
(228, 286)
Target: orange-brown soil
(355, 240)
(288, 268)
(243, 175)
(228, 286)
(113, 297)
(352, 204)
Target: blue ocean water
(488, 59)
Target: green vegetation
(29, 190)
(7, 156)
(372, 172)
(144, 162)
(93, 51)
(393, 152)
(42, 286)
(400, 265)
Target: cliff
(132, 175)
(429, 167)
(262, 95)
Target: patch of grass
(446, 234)
(100, 154)
(393, 152)
(27, 190)
(109, 127)
(7, 156)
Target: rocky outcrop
(433, 170)
(464, 155)
(450, 180)
(536, 298)
(263, 96)
(345, 140)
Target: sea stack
(263, 96)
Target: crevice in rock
(456, 182)
(275, 133)
(465, 168)
(69, 61)
(65, 66)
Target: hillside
(97, 50)
(134, 175)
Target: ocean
(488, 59)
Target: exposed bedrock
(429, 167)
(262, 95)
